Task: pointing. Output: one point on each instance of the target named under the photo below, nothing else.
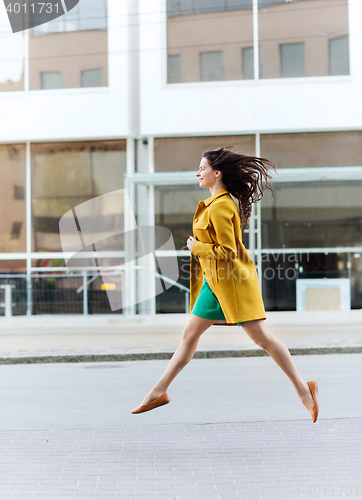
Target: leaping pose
(224, 286)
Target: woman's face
(206, 175)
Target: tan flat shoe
(160, 401)
(313, 386)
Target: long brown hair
(245, 177)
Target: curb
(244, 353)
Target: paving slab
(50, 338)
(234, 429)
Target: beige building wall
(12, 221)
(70, 53)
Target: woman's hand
(190, 242)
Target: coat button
(196, 220)
(201, 203)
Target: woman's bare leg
(261, 335)
(185, 351)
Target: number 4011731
(33, 8)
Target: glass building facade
(215, 41)
(310, 229)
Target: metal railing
(57, 290)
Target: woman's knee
(190, 334)
(262, 337)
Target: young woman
(224, 283)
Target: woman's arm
(221, 217)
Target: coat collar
(221, 192)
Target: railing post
(187, 302)
(29, 295)
(8, 300)
(85, 293)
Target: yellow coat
(221, 257)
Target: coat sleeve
(221, 218)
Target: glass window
(282, 270)
(184, 154)
(248, 63)
(211, 66)
(67, 174)
(89, 15)
(356, 280)
(292, 60)
(313, 149)
(339, 56)
(174, 154)
(186, 7)
(12, 272)
(12, 222)
(175, 208)
(51, 80)
(92, 78)
(19, 192)
(16, 229)
(12, 266)
(73, 43)
(174, 74)
(11, 57)
(312, 214)
(208, 36)
(173, 299)
(288, 24)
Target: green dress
(207, 306)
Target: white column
(29, 298)
(256, 39)
(257, 225)
(130, 244)
(26, 60)
(151, 222)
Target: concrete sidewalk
(57, 338)
(235, 429)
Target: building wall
(299, 123)
(269, 105)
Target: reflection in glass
(292, 60)
(12, 266)
(175, 207)
(176, 154)
(12, 198)
(313, 214)
(281, 270)
(12, 272)
(339, 56)
(174, 74)
(11, 60)
(248, 63)
(67, 174)
(208, 37)
(294, 37)
(211, 66)
(313, 149)
(74, 45)
(51, 80)
(57, 292)
(356, 280)
(92, 78)
(173, 299)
